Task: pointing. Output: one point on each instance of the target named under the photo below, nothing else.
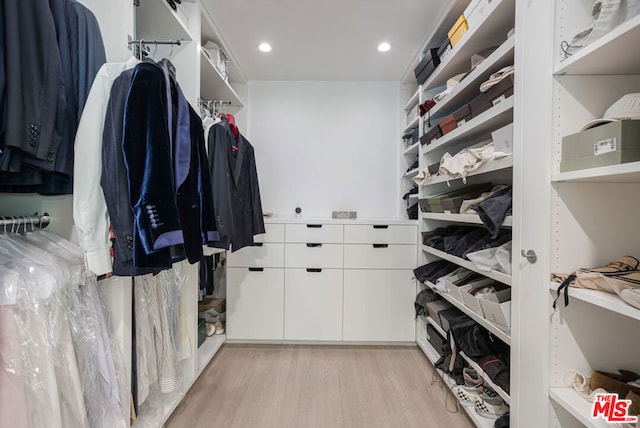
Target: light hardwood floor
(291, 386)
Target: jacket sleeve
(256, 203)
(89, 206)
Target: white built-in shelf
(412, 101)
(602, 299)
(411, 124)
(490, 120)
(208, 350)
(155, 20)
(610, 54)
(622, 173)
(462, 218)
(501, 392)
(212, 84)
(412, 173)
(415, 196)
(498, 276)
(412, 149)
(435, 325)
(499, 18)
(433, 356)
(469, 88)
(577, 406)
(491, 166)
(493, 328)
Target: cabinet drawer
(313, 255)
(274, 233)
(255, 304)
(314, 232)
(380, 234)
(379, 256)
(378, 305)
(260, 255)
(313, 304)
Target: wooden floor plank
(294, 386)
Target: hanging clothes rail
(36, 220)
(141, 47)
(212, 105)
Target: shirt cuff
(99, 261)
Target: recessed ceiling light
(264, 47)
(384, 47)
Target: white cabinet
(273, 233)
(313, 304)
(379, 234)
(378, 305)
(258, 255)
(313, 255)
(255, 303)
(379, 256)
(314, 233)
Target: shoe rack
(593, 212)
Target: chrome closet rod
(155, 42)
(39, 221)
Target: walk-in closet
(319, 214)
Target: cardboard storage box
(436, 340)
(435, 201)
(462, 115)
(501, 91)
(445, 50)
(498, 311)
(474, 13)
(610, 144)
(427, 64)
(458, 30)
(452, 205)
(456, 291)
(473, 302)
(436, 306)
(431, 134)
(447, 315)
(503, 139)
(479, 105)
(448, 124)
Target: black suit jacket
(236, 192)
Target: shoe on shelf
(471, 377)
(580, 384)
(468, 395)
(491, 407)
(615, 383)
(219, 328)
(210, 329)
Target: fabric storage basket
(498, 309)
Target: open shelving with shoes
(501, 392)
(498, 276)
(462, 218)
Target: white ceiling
(324, 39)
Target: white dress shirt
(89, 206)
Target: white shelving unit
(155, 20)
(487, 380)
(412, 173)
(492, 119)
(492, 31)
(495, 165)
(208, 350)
(412, 150)
(433, 356)
(412, 101)
(212, 84)
(498, 276)
(462, 218)
(497, 331)
(436, 326)
(583, 87)
(602, 299)
(412, 124)
(470, 86)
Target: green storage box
(610, 144)
(435, 201)
(202, 332)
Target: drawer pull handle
(314, 226)
(256, 269)
(380, 245)
(314, 270)
(257, 244)
(381, 226)
(314, 245)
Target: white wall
(326, 146)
